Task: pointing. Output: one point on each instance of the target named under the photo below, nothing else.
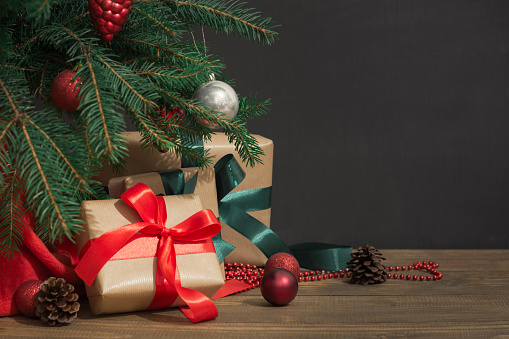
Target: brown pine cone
(55, 302)
(366, 266)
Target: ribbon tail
(321, 256)
(231, 287)
(199, 306)
(263, 237)
(223, 248)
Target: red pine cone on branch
(108, 16)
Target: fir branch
(110, 147)
(45, 2)
(87, 142)
(60, 153)
(17, 113)
(173, 52)
(39, 89)
(159, 23)
(44, 179)
(21, 68)
(246, 145)
(37, 36)
(146, 101)
(149, 130)
(11, 215)
(226, 16)
(4, 132)
(251, 108)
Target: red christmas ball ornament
(279, 286)
(285, 261)
(177, 113)
(108, 16)
(25, 297)
(64, 92)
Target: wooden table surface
(471, 301)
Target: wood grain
(471, 301)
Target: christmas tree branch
(159, 23)
(4, 132)
(37, 36)
(251, 108)
(21, 68)
(60, 153)
(226, 16)
(149, 130)
(48, 190)
(246, 146)
(87, 142)
(109, 148)
(169, 50)
(146, 101)
(44, 3)
(17, 113)
(39, 89)
(11, 215)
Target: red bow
(152, 210)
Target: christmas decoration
(56, 303)
(150, 64)
(279, 286)
(108, 16)
(218, 96)
(429, 266)
(366, 266)
(64, 92)
(285, 261)
(256, 179)
(186, 232)
(25, 297)
(176, 113)
(252, 275)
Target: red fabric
(200, 227)
(35, 262)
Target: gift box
(146, 252)
(256, 181)
(172, 182)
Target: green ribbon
(234, 205)
(174, 184)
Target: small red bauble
(25, 297)
(279, 286)
(108, 16)
(64, 92)
(285, 261)
(170, 114)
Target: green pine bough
(151, 64)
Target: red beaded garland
(252, 275)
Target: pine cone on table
(366, 266)
(55, 302)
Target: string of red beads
(429, 266)
(252, 275)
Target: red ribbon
(152, 210)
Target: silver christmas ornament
(218, 96)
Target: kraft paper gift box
(197, 181)
(259, 177)
(127, 282)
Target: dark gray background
(389, 120)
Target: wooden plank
(471, 301)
